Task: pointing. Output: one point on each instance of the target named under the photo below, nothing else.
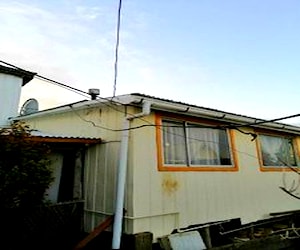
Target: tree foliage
(25, 172)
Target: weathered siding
(97, 122)
(100, 180)
(158, 201)
(100, 160)
(166, 200)
(154, 209)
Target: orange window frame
(276, 168)
(213, 168)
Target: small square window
(277, 151)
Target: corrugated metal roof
(193, 105)
(231, 118)
(136, 99)
(47, 137)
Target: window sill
(279, 169)
(198, 168)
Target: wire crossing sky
(117, 49)
(236, 56)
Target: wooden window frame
(276, 168)
(201, 168)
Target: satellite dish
(30, 106)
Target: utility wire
(11, 65)
(149, 124)
(267, 121)
(154, 125)
(78, 91)
(162, 127)
(81, 92)
(236, 127)
(117, 48)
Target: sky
(235, 56)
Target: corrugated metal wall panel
(89, 184)
(100, 182)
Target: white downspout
(122, 169)
(121, 179)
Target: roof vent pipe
(94, 93)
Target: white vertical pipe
(121, 179)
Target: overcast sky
(236, 56)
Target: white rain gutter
(223, 116)
(181, 108)
(121, 179)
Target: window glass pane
(225, 155)
(208, 146)
(277, 151)
(174, 143)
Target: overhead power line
(62, 85)
(78, 91)
(81, 92)
(267, 121)
(117, 48)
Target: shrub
(25, 171)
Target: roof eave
(175, 107)
(191, 110)
(27, 76)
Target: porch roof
(56, 138)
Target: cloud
(75, 45)
(50, 34)
(88, 13)
(58, 45)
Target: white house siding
(151, 212)
(100, 180)
(164, 201)
(160, 201)
(94, 122)
(101, 161)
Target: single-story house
(179, 164)
(169, 164)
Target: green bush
(25, 172)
